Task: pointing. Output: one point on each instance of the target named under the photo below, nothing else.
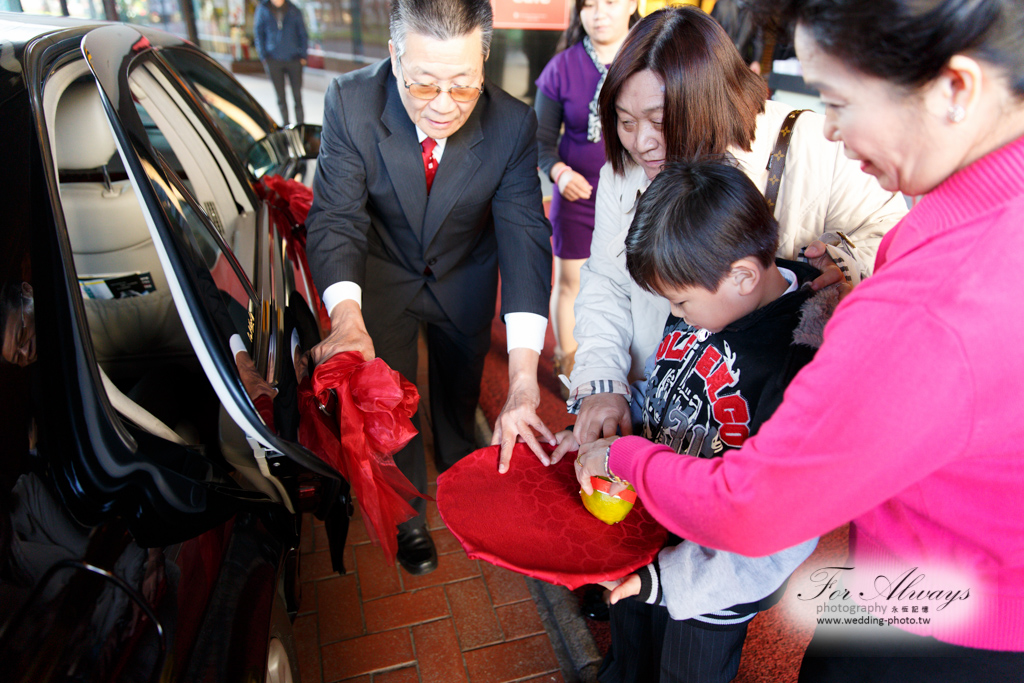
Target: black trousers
(895, 656)
(648, 646)
(276, 70)
(456, 366)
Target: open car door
(217, 266)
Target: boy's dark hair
(695, 220)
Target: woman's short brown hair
(712, 98)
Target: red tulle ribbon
(297, 196)
(371, 421)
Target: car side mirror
(283, 147)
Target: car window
(235, 112)
(161, 145)
(226, 291)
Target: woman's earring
(956, 113)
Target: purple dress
(570, 79)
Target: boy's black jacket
(708, 392)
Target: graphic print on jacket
(707, 392)
(695, 407)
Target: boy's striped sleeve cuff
(650, 584)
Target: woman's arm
(549, 124)
(818, 463)
(604, 324)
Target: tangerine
(606, 507)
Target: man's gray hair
(441, 20)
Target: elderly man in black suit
(426, 185)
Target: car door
(215, 248)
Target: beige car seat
(109, 236)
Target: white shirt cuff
(342, 291)
(237, 345)
(525, 330)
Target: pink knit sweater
(910, 422)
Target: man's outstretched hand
(518, 418)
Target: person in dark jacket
(281, 42)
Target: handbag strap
(777, 161)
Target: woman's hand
(602, 415)
(590, 463)
(818, 256)
(573, 186)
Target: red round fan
(531, 520)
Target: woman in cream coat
(678, 88)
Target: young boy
(704, 238)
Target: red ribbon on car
(355, 415)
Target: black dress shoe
(416, 552)
(593, 605)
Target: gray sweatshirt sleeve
(695, 580)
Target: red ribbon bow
(370, 423)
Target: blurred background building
(344, 34)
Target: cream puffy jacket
(823, 193)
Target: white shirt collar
(439, 150)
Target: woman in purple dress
(567, 93)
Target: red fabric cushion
(532, 521)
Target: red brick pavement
(465, 622)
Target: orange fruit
(606, 507)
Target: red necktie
(429, 162)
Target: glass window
(236, 113)
(84, 9)
(162, 14)
(224, 288)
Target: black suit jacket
(373, 223)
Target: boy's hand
(626, 587)
(566, 444)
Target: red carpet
(775, 641)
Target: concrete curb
(559, 611)
(574, 644)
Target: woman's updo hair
(908, 42)
(712, 98)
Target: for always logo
(688, 405)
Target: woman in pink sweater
(922, 442)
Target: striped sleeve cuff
(650, 584)
(597, 386)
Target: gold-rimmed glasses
(428, 91)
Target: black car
(155, 309)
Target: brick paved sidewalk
(467, 621)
